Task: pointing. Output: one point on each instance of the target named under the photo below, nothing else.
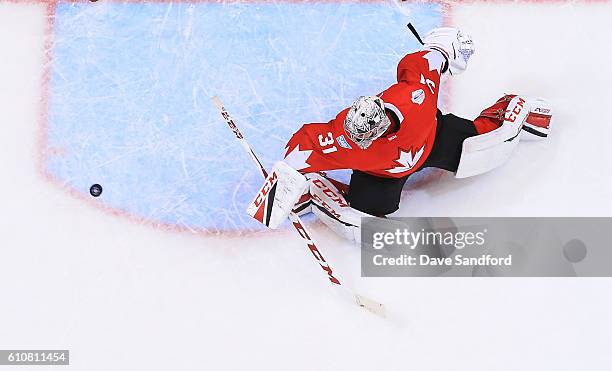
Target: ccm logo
(261, 196)
(231, 124)
(317, 254)
(326, 206)
(329, 193)
(516, 111)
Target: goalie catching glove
(456, 47)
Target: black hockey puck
(95, 190)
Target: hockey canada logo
(418, 96)
(342, 142)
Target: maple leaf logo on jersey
(408, 160)
(297, 158)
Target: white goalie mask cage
(366, 121)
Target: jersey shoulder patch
(418, 96)
(342, 142)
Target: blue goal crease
(131, 85)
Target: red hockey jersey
(412, 100)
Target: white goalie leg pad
(277, 197)
(485, 152)
(331, 208)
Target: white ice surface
(124, 296)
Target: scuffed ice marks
(131, 85)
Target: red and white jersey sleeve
(413, 102)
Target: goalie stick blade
(371, 305)
(349, 295)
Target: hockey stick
(362, 301)
(415, 33)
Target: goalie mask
(366, 120)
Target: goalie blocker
(281, 190)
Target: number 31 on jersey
(327, 141)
